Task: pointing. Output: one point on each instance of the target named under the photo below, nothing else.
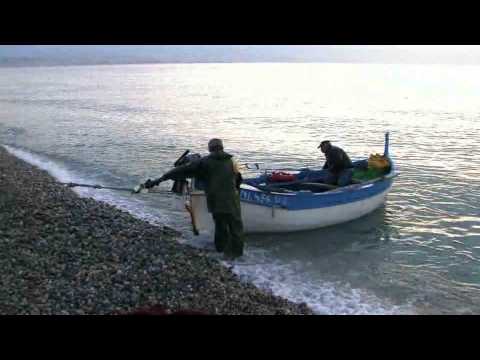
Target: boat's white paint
(262, 219)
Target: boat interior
(307, 180)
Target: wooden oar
(192, 217)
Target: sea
(118, 125)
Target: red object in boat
(280, 176)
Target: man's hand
(149, 184)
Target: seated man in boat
(338, 165)
(222, 185)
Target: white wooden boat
(270, 211)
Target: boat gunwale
(352, 187)
(349, 188)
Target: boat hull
(277, 219)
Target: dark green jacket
(221, 181)
(337, 160)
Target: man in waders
(222, 185)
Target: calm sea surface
(420, 253)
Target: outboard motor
(179, 185)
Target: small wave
(61, 172)
(54, 169)
(324, 297)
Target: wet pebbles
(62, 254)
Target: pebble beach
(61, 254)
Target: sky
(18, 55)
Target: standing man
(338, 165)
(222, 188)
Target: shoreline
(63, 254)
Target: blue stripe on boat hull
(302, 201)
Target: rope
(95, 186)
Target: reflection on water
(368, 232)
(119, 125)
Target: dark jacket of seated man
(338, 164)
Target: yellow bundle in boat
(377, 161)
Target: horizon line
(186, 62)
